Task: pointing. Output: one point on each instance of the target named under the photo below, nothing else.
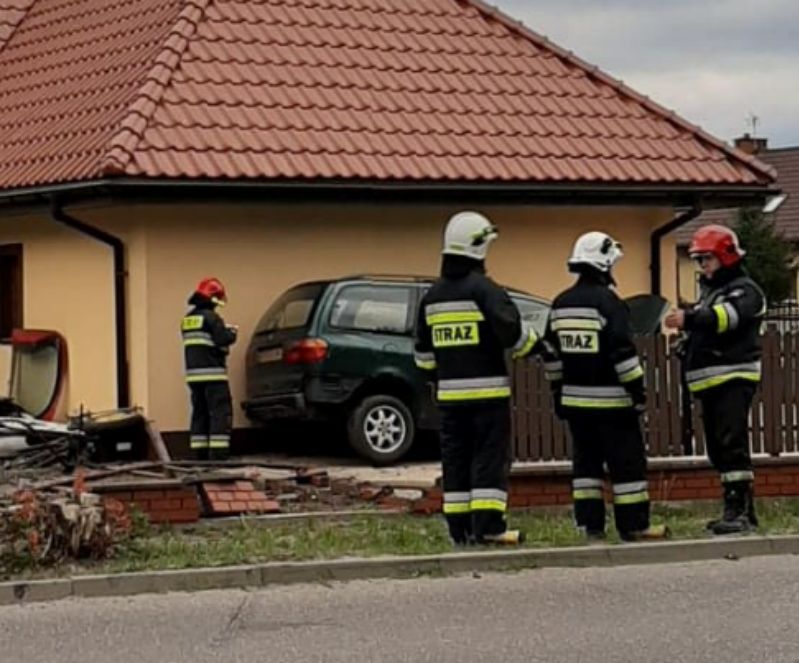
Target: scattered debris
(39, 530)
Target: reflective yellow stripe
(197, 341)
(219, 444)
(700, 385)
(723, 318)
(740, 475)
(474, 394)
(197, 444)
(488, 505)
(632, 498)
(573, 401)
(454, 316)
(529, 344)
(575, 323)
(457, 507)
(587, 494)
(426, 365)
(634, 374)
(213, 377)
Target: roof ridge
(20, 10)
(593, 70)
(123, 143)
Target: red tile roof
(404, 90)
(785, 162)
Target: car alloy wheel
(384, 428)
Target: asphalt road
(707, 611)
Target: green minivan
(342, 351)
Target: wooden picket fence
(774, 423)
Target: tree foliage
(769, 255)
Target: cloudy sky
(715, 62)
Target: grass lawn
(369, 536)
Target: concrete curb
(282, 573)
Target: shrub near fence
(539, 436)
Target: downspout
(687, 433)
(120, 295)
(654, 244)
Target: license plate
(267, 356)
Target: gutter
(120, 295)
(654, 244)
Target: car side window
(384, 309)
(532, 312)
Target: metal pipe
(654, 244)
(120, 295)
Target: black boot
(737, 498)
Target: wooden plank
(518, 410)
(532, 423)
(664, 443)
(546, 415)
(773, 396)
(790, 391)
(156, 441)
(675, 419)
(541, 389)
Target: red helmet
(212, 289)
(719, 241)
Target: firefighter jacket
(206, 342)
(724, 331)
(465, 325)
(589, 355)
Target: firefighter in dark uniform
(206, 343)
(598, 388)
(466, 324)
(721, 358)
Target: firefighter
(721, 358)
(206, 343)
(466, 323)
(598, 388)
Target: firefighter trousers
(725, 418)
(475, 457)
(611, 438)
(211, 419)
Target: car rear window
(292, 310)
(372, 308)
(532, 312)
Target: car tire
(381, 429)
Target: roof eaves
(122, 144)
(762, 169)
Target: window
(532, 312)
(10, 289)
(291, 311)
(373, 308)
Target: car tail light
(306, 351)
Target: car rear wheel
(381, 429)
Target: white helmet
(469, 234)
(597, 249)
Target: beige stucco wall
(67, 288)
(5, 368)
(259, 252)
(687, 276)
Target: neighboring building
(148, 143)
(785, 161)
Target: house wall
(67, 287)
(259, 252)
(5, 368)
(687, 274)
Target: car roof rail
(406, 278)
